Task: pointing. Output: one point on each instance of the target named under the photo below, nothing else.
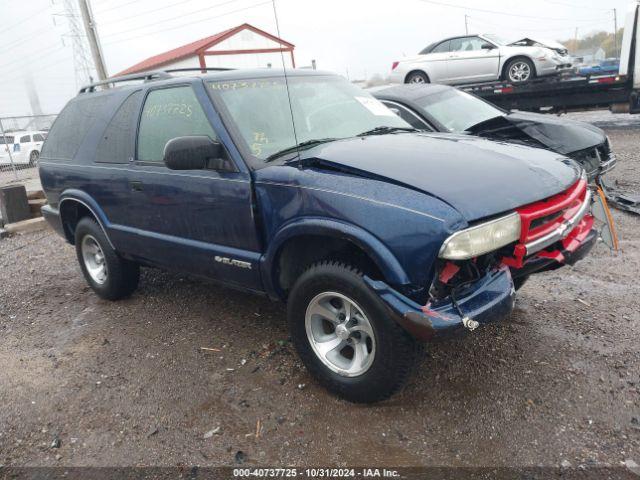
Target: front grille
(538, 222)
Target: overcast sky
(358, 38)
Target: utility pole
(615, 30)
(466, 25)
(92, 36)
(575, 40)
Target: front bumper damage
(490, 298)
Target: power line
(113, 7)
(188, 23)
(495, 12)
(559, 29)
(153, 10)
(553, 2)
(20, 22)
(169, 19)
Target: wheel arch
(508, 60)
(73, 206)
(416, 70)
(319, 239)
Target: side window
(38, 138)
(71, 126)
(169, 113)
(442, 48)
(116, 145)
(25, 139)
(407, 115)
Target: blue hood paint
(477, 177)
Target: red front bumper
(553, 226)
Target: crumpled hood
(560, 135)
(477, 177)
(552, 44)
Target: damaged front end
(469, 289)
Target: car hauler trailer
(619, 92)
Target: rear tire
(109, 275)
(377, 357)
(519, 70)
(417, 77)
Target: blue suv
(308, 190)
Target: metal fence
(21, 140)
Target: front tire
(520, 70)
(344, 335)
(417, 77)
(109, 275)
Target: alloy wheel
(340, 334)
(519, 72)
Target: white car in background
(482, 58)
(24, 146)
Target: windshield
(497, 39)
(5, 140)
(323, 108)
(457, 111)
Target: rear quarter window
(71, 127)
(117, 142)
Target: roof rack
(147, 77)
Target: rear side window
(25, 139)
(71, 126)
(442, 48)
(116, 144)
(169, 113)
(38, 138)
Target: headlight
(481, 239)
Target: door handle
(136, 186)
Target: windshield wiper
(384, 130)
(301, 146)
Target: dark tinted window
(6, 140)
(169, 113)
(71, 126)
(25, 139)
(441, 48)
(38, 138)
(116, 144)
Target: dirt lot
(127, 383)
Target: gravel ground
(127, 383)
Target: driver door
(198, 221)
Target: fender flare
(84, 199)
(384, 259)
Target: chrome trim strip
(562, 231)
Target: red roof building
(244, 46)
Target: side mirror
(195, 153)
(487, 46)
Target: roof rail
(146, 76)
(196, 69)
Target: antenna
(286, 79)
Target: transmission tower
(82, 62)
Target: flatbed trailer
(619, 92)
